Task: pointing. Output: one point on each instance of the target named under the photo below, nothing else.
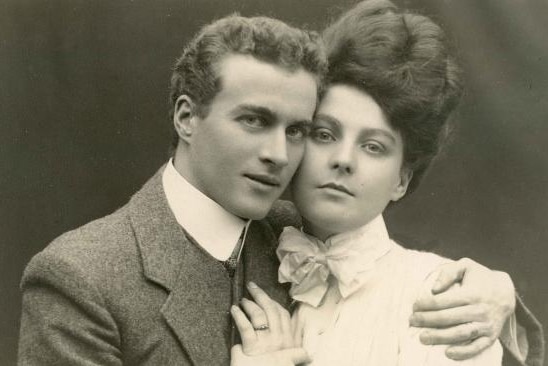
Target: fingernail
(252, 284)
(234, 308)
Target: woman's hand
(469, 317)
(268, 328)
(286, 357)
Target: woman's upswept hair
(402, 61)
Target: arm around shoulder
(413, 350)
(64, 319)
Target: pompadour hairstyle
(402, 61)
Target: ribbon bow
(307, 262)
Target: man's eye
(252, 121)
(296, 132)
(322, 135)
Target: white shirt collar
(374, 233)
(214, 228)
(376, 228)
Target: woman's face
(352, 166)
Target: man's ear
(184, 117)
(406, 175)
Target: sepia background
(84, 122)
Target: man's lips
(266, 179)
(338, 187)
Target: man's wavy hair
(402, 61)
(267, 39)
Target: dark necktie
(232, 262)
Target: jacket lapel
(195, 309)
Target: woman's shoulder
(411, 272)
(415, 264)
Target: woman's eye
(373, 148)
(321, 135)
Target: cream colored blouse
(340, 332)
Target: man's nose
(344, 159)
(274, 148)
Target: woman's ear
(406, 175)
(184, 117)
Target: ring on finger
(262, 327)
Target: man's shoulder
(90, 248)
(282, 214)
(102, 238)
(100, 246)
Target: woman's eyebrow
(334, 122)
(368, 132)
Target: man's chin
(254, 212)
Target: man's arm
(523, 338)
(470, 307)
(64, 320)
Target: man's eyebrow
(265, 112)
(256, 109)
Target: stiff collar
(372, 235)
(215, 229)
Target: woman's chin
(323, 226)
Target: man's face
(245, 151)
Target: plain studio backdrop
(84, 122)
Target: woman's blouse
(370, 324)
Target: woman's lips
(338, 187)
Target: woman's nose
(343, 160)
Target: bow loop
(307, 262)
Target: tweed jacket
(133, 289)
